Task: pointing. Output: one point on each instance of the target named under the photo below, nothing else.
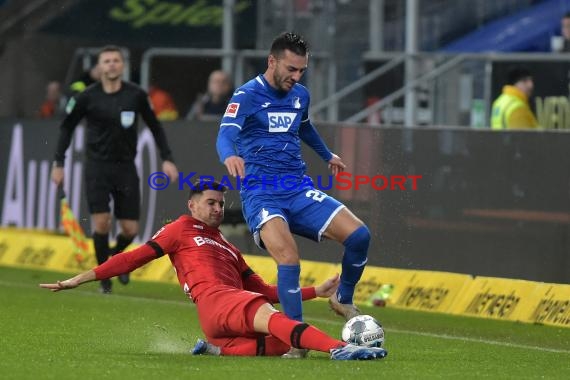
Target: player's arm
(308, 133)
(230, 128)
(118, 264)
(75, 111)
(159, 135)
(254, 283)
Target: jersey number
(315, 195)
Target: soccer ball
(363, 330)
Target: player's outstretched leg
(300, 336)
(204, 348)
(351, 352)
(269, 346)
(353, 263)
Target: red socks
(301, 335)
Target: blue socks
(289, 291)
(353, 263)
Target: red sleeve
(167, 237)
(254, 283)
(308, 293)
(128, 261)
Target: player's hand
(327, 288)
(336, 165)
(170, 169)
(61, 285)
(71, 283)
(57, 175)
(235, 166)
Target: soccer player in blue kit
(260, 139)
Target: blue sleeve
(311, 137)
(225, 144)
(232, 123)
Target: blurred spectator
(212, 105)
(162, 104)
(561, 44)
(87, 78)
(511, 109)
(54, 103)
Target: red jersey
(202, 257)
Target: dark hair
(518, 73)
(110, 48)
(566, 15)
(198, 187)
(289, 41)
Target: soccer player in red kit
(234, 304)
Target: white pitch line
(484, 341)
(463, 338)
(327, 321)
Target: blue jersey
(265, 127)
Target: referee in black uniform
(111, 108)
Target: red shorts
(226, 314)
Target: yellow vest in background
(512, 111)
(502, 109)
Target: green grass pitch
(145, 331)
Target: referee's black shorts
(117, 179)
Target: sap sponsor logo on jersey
(232, 110)
(280, 121)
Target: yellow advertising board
(487, 297)
(550, 305)
(41, 250)
(432, 291)
(496, 298)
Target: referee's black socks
(122, 243)
(101, 243)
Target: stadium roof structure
(528, 30)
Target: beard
(282, 84)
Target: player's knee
(358, 240)
(129, 230)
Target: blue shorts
(308, 211)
